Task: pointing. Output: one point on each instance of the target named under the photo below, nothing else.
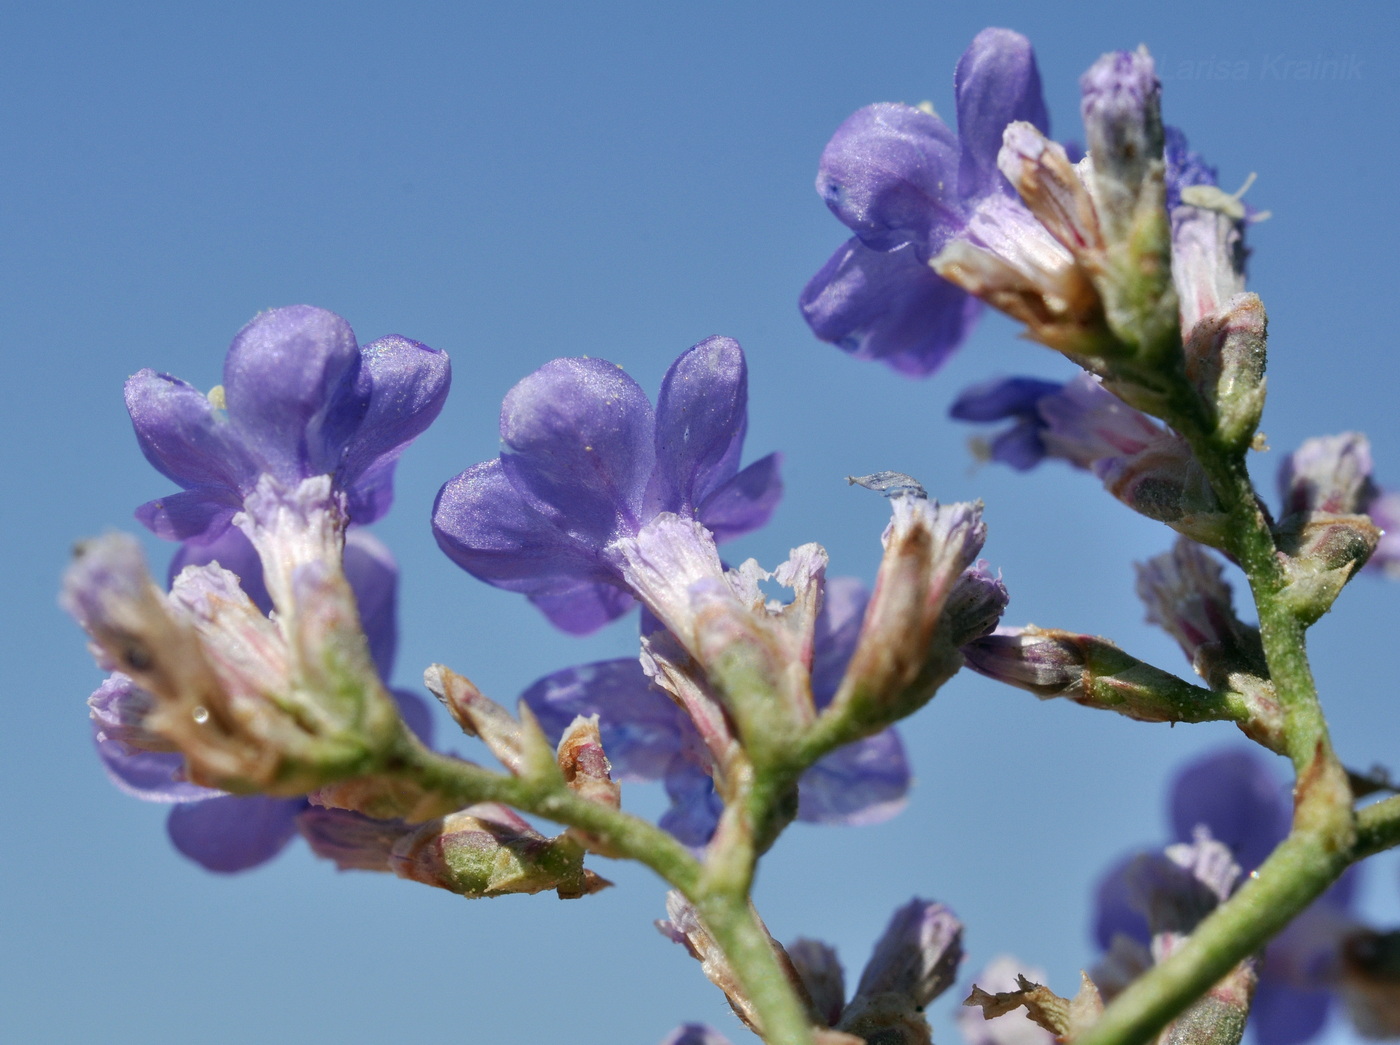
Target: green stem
(747, 947)
(1323, 841)
(1377, 828)
(623, 833)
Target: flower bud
(1323, 552)
(1185, 593)
(1091, 671)
(1225, 356)
(917, 955)
(588, 774)
(1329, 474)
(1121, 104)
(820, 971)
(481, 851)
(905, 650)
(683, 926)
(521, 746)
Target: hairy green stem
(747, 947)
(623, 833)
(1377, 828)
(1323, 841)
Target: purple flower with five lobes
(1228, 801)
(586, 463)
(300, 398)
(648, 737)
(218, 830)
(905, 184)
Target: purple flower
(586, 463)
(1227, 811)
(648, 737)
(904, 183)
(218, 830)
(1017, 399)
(300, 398)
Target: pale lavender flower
(1227, 810)
(904, 183)
(586, 464)
(648, 737)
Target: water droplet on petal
(201, 715)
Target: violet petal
(642, 729)
(745, 501)
(201, 513)
(584, 608)
(701, 415)
(183, 435)
(370, 496)
(1238, 798)
(695, 805)
(374, 577)
(1284, 1015)
(1002, 397)
(866, 782)
(289, 381)
(997, 83)
(888, 306)
(1115, 913)
(405, 384)
(890, 173)
(485, 527)
(578, 441)
(837, 632)
(234, 552)
(416, 713)
(234, 832)
(152, 776)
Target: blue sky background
(513, 183)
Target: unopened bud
(1091, 671)
(588, 774)
(820, 971)
(1225, 357)
(905, 650)
(1323, 552)
(1329, 474)
(1121, 106)
(520, 744)
(481, 851)
(915, 960)
(683, 926)
(1185, 593)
